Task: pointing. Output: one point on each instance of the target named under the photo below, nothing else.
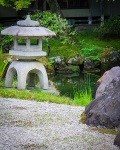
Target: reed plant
(83, 96)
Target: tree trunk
(90, 2)
(102, 3)
(36, 5)
(55, 8)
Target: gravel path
(30, 125)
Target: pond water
(68, 84)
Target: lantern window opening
(21, 41)
(24, 41)
(34, 41)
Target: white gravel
(30, 125)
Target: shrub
(6, 42)
(110, 28)
(57, 24)
(5, 59)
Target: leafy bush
(5, 59)
(110, 28)
(49, 20)
(6, 42)
(57, 24)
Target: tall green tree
(19, 4)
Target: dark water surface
(68, 84)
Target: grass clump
(36, 95)
(83, 95)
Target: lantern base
(27, 55)
(26, 72)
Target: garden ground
(30, 125)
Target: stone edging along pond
(77, 63)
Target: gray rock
(88, 63)
(107, 77)
(114, 56)
(117, 140)
(110, 58)
(76, 60)
(105, 110)
(59, 62)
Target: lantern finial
(28, 22)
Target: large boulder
(105, 109)
(105, 80)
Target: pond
(68, 84)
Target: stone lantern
(25, 65)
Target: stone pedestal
(26, 70)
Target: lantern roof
(28, 28)
(28, 22)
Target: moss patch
(106, 130)
(83, 118)
(100, 130)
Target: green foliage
(83, 96)
(57, 24)
(51, 62)
(90, 52)
(110, 28)
(17, 4)
(4, 61)
(6, 42)
(87, 45)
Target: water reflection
(67, 84)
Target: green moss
(100, 130)
(34, 146)
(83, 118)
(106, 130)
